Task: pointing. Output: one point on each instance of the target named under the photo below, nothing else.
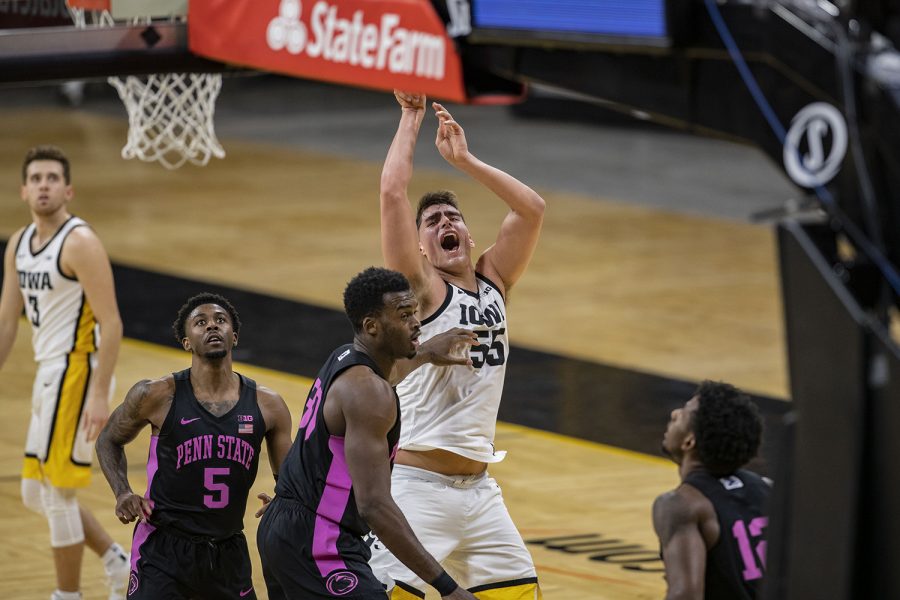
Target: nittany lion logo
(341, 582)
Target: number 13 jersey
(61, 319)
(455, 408)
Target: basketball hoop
(170, 115)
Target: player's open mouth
(213, 339)
(450, 241)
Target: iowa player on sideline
(450, 413)
(208, 424)
(335, 483)
(712, 528)
(57, 270)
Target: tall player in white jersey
(449, 414)
(57, 270)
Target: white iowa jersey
(61, 319)
(455, 408)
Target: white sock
(61, 595)
(113, 556)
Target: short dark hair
(433, 199)
(364, 295)
(727, 427)
(198, 300)
(47, 152)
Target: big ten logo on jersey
(753, 556)
(245, 424)
(492, 350)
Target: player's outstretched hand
(410, 100)
(450, 139)
(450, 347)
(266, 499)
(130, 506)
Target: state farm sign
(384, 44)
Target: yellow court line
(558, 437)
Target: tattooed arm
(146, 402)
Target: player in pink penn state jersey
(335, 484)
(712, 527)
(208, 424)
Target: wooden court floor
(681, 296)
(574, 500)
(684, 297)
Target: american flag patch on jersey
(245, 428)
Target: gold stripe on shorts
(60, 467)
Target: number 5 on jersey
(217, 487)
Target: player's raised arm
(507, 258)
(399, 236)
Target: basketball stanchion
(170, 115)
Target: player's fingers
(126, 514)
(466, 335)
(440, 110)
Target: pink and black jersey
(315, 470)
(201, 466)
(736, 564)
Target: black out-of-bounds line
(621, 407)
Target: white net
(170, 115)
